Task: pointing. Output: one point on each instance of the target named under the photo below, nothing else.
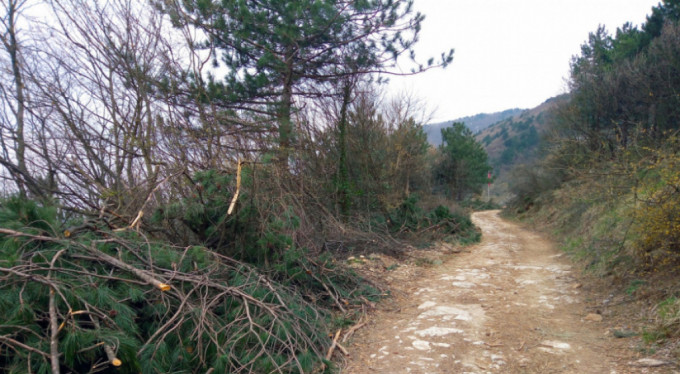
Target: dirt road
(508, 305)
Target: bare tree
(12, 89)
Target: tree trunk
(343, 170)
(19, 143)
(285, 113)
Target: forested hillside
(609, 181)
(475, 123)
(516, 141)
(180, 180)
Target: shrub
(477, 204)
(657, 227)
(440, 223)
(668, 317)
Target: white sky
(508, 53)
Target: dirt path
(509, 305)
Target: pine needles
(97, 297)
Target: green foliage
(668, 321)
(463, 166)
(526, 140)
(273, 49)
(262, 240)
(479, 205)
(439, 223)
(25, 214)
(205, 213)
(385, 160)
(656, 231)
(200, 323)
(272, 38)
(407, 216)
(623, 92)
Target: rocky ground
(510, 304)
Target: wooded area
(179, 179)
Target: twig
(337, 302)
(38, 237)
(367, 302)
(333, 345)
(138, 272)
(136, 222)
(342, 349)
(171, 320)
(110, 354)
(238, 188)
(54, 323)
(353, 329)
(435, 226)
(9, 341)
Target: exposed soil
(510, 304)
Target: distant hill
(515, 140)
(475, 123)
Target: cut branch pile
(103, 299)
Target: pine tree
(277, 50)
(463, 166)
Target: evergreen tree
(276, 50)
(463, 165)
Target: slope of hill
(513, 141)
(475, 123)
(516, 139)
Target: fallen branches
(220, 314)
(14, 234)
(215, 303)
(331, 294)
(54, 323)
(144, 275)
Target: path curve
(508, 305)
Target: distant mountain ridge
(475, 123)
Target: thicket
(158, 218)
(609, 180)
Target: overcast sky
(508, 53)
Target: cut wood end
(164, 287)
(116, 362)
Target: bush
(440, 223)
(668, 318)
(529, 182)
(656, 230)
(478, 205)
(260, 233)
